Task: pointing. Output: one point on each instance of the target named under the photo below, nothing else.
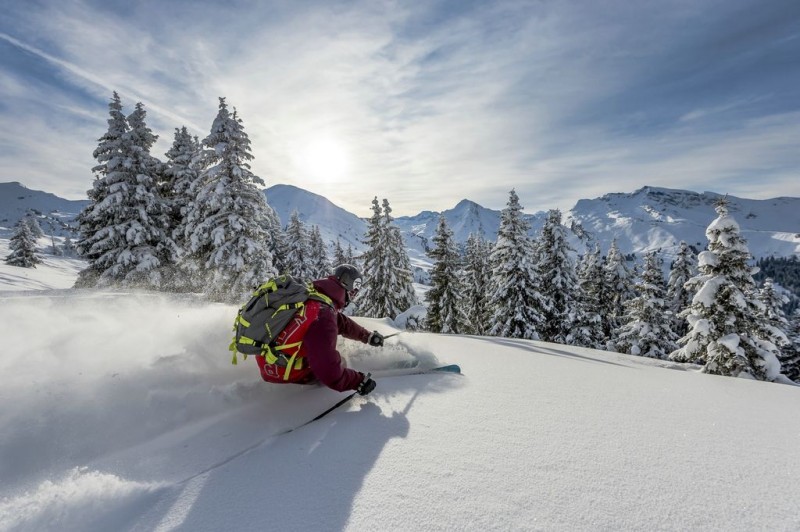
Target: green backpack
(265, 315)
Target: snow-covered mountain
(647, 219)
(121, 411)
(659, 218)
(313, 209)
(54, 213)
(466, 218)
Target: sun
(325, 160)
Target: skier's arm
(352, 330)
(322, 356)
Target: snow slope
(121, 411)
(54, 212)
(53, 272)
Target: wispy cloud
(432, 101)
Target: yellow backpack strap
(319, 296)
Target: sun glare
(324, 160)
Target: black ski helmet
(349, 277)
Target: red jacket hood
(331, 287)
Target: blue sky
(424, 103)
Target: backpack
(267, 313)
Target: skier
(318, 359)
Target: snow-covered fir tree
(444, 298)
(226, 226)
(726, 332)
(350, 256)
(298, 249)
(557, 280)
(374, 299)
(33, 224)
(648, 328)
(181, 179)
(338, 254)
(514, 300)
(278, 246)
(123, 229)
(587, 329)
(617, 289)
(790, 355)
(68, 250)
(342, 255)
(143, 138)
(318, 254)
(777, 326)
(95, 239)
(388, 286)
(476, 279)
(23, 247)
(401, 280)
(679, 296)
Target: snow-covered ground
(54, 272)
(121, 411)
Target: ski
(450, 368)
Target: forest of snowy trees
(198, 222)
(708, 311)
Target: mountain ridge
(647, 219)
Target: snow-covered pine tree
(587, 329)
(617, 289)
(69, 247)
(557, 280)
(350, 256)
(33, 224)
(374, 299)
(338, 254)
(476, 279)
(276, 239)
(143, 138)
(123, 229)
(401, 275)
(726, 332)
(298, 249)
(388, 280)
(444, 298)
(318, 254)
(279, 248)
(776, 324)
(226, 226)
(648, 329)
(23, 247)
(790, 355)
(181, 179)
(95, 239)
(343, 256)
(514, 300)
(679, 296)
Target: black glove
(366, 386)
(375, 339)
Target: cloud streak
(432, 102)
